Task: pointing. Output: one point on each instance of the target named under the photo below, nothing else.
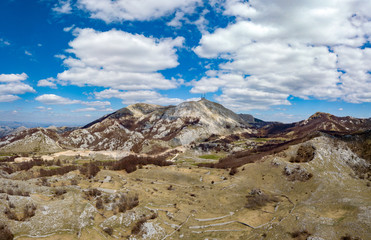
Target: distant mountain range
(148, 128)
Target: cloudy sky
(72, 61)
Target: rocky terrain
(192, 171)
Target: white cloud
(49, 82)
(131, 97)
(356, 82)
(120, 60)
(13, 86)
(60, 56)
(8, 98)
(177, 20)
(4, 42)
(27, 53)
(119, 10)
(43, 109)
(340, 109)
(13, 77)
(63, 7)
(52, 99)
(67, 29)
(275, 49)
(91, 109)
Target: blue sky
(72, 61)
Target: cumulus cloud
(52, 99)
(131, 97)
(119, 10)
(63, 7)
(13, 77)
(275, 49)
(119, 60)
(11, 86)
(49, 82)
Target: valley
(192, 171)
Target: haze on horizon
(72, 61)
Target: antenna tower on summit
(203, 96)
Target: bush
(89, 170)
(108, 230)
(300, 235)
(10, 214)
(93, 192)
(99, 204)
(130, 163)
(5, 233)
(305, 153)
(297, 174)
(348, 237)
(257, 199)
(28, 211)
(233, 171)
(59, 192)
(127, 202)
(138, 226)
(57, 171)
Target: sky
(69, 62)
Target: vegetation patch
(297, 173)
(300, 235)
(210, 156)
(130, 163)
(258, 199)
(5, 233)
(305, 153)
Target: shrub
(127, 202)
(59, 192)
(5, 233)
(108, 230)
(305, 153)
(89, 170)
(138, 226)
(57, 171)
(44, 182)
(257, 199)
(74, 182)
(233, 171)
(348, 237)
(28, 211)
(99, 204)
(10, 214)
(297, 174)
(93, 192)
(300, 235)
(130, 163)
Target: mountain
(192, 171)
(6, 130)
(152, 129)
(255, 122)
(318, 122)
(141, 127)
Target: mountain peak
(320, 115)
